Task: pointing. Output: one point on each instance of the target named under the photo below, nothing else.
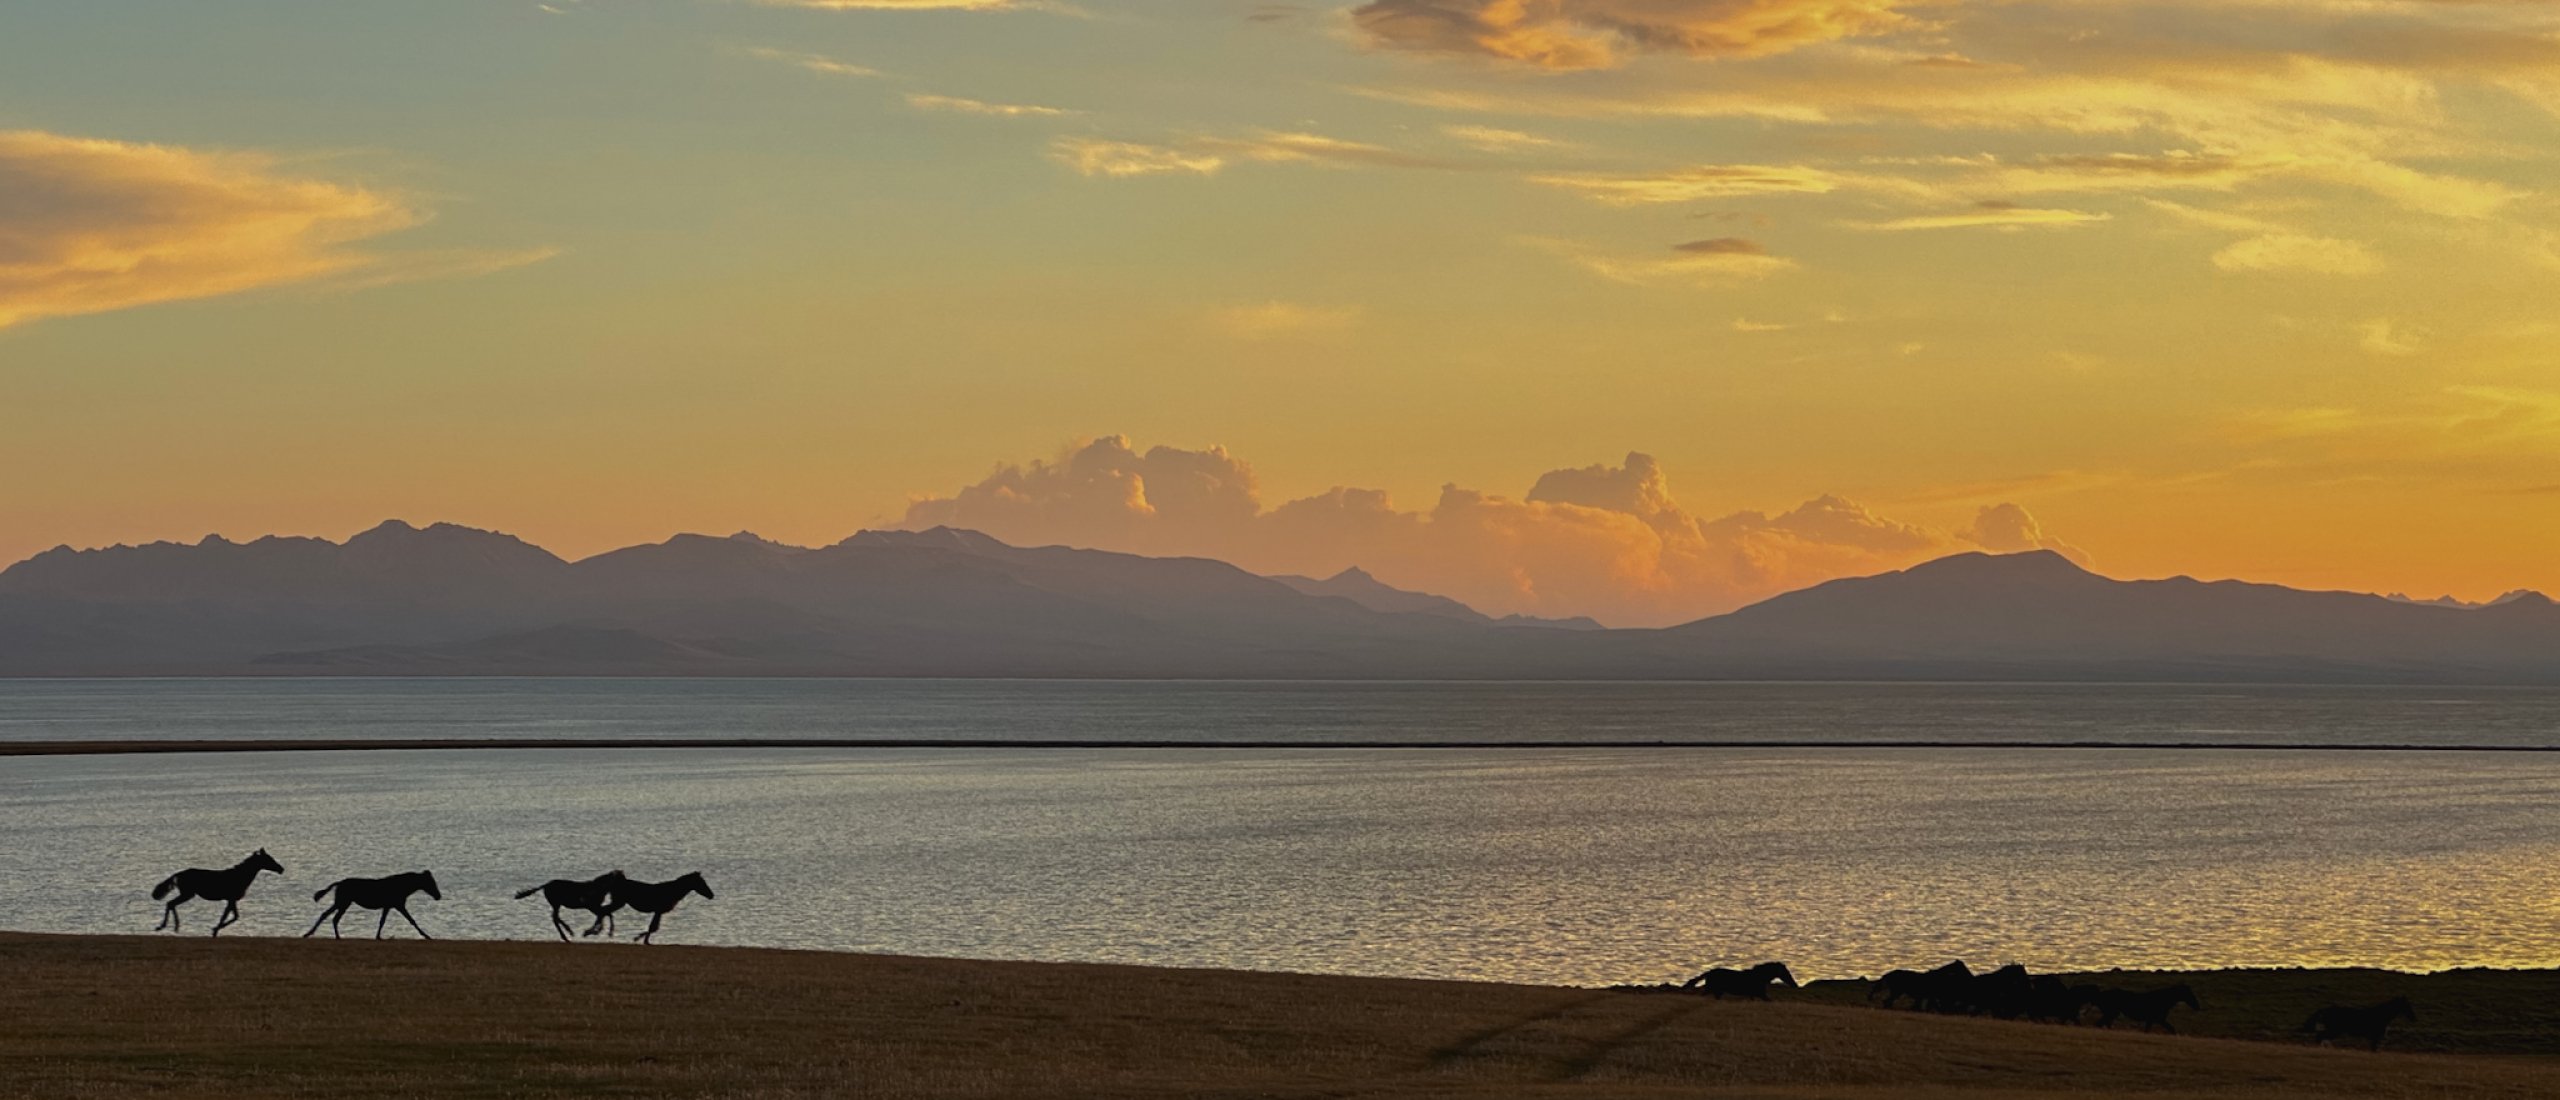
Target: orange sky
(2255, 288)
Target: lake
(1552, 865)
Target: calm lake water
(1564, 865)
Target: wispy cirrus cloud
(1987, 215)
(89, 225)
(812, 62)
(1206, 155)
(1597, 34)
(2299, 253)
(927, 102)
(1714, 263)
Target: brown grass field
(168, 1016)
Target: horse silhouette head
(428, 880)
(1776, 972)
(693, 881)
(260, 861)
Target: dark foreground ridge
(116, 748)
(257, 1018)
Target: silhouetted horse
(1896, 985)
(225, 886)
(1753, 983)
(2006, 993)
(2367, 1022)
(2052, 1000)
(594, 895)
(1949, 988)
(2149, 1008)
(387, 894)
(658, 898)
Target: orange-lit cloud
(89, 225)
(927, 102)
(1276, 319)
(1593, 34)
(1606, 541)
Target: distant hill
(449, 600)
(1356, 585)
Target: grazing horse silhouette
(1753, 983)
(2052, 1000)
(1949, 988)
(1896, 985)
(387, 894)
(225, 886)
(658, 898)
(594, 895)
(2149, 1008)
(2006, 993)
(2366, 1022)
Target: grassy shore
(122, 1016)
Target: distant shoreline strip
(118, 748)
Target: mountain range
(451, 600)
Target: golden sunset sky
(1632, 308)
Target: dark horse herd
(2011, 993)
(602, 896)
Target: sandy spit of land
(113, 1016)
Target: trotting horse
(594, 895)
(1753, 983)
(387, 894)
(225, 886)
(2366, 1022)
(658, 898)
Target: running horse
(594, 895)
(2367, 1022)
(226, 886)
(1753, 983)
(387, 894)
(658, 898)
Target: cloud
(2383, 336)
(1722, 246)
(1275, 319)
(1609, 541)
(1724, 262)
(1991, 214)
(1594, 34)
(1492, 139)
(1706, 181)
(2297, 252)
(813, 62)
(1123, 159)
(1206, 155)
(90, 225)
(2008, 529)
(924, 102)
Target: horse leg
(558, 925)
(378, 922)
(230, 913)
(413, 921)
(169, 916)
(604, 922)
(654, 918)
(317, 921)
(337, 915)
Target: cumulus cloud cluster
(89, 225)
(1609, 541)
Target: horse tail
(166, 885)
(527, 892)
(324, 891)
